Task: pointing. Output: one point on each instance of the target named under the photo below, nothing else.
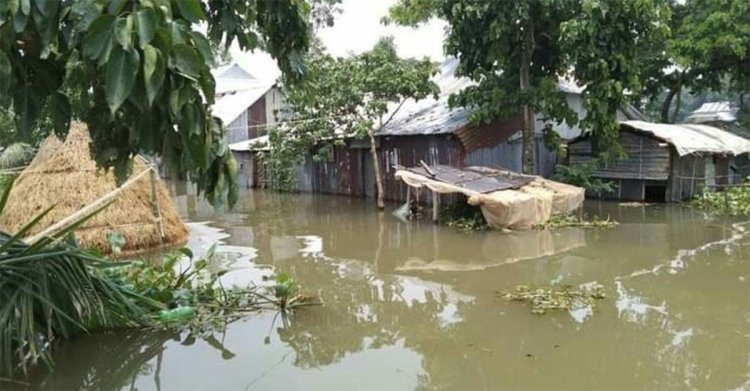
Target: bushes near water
(732, 201)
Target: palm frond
(51, 290)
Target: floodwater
(415, 306)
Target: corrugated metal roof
(714, 112)
(435, 116)
(230, 106)
(474, 180)
(254, 144)
(432, 116)
(693, 139)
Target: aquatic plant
(571, 220)
(286, 295)
(190, 296)
(463, 217)
(50, 290)
(563, 298)
(732, 201)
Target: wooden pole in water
(435, 204)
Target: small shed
(666, 162)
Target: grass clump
(562, 221)
(563, 298)
(733, 201)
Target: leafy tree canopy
(352, 96)
(709, 50)
(138, 72)
(516, 51)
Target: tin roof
(230, 106)
(432, 116)
(692, 138)
(714, 112)
(472, 179)
(435, 116)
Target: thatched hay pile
(64, 175)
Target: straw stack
(63, 175)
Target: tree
(516, 52)
(709, 50)
(349, 97)
(138, 72)
(603, 43)
(511, 49)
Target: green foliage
(187, 290)
(53, 290)
(604, 46)
(563, 298)
(595, 42)
(463, 217)
(138, 73)
(582, 176)
(344, 97)
(731, 201)
(708, 51)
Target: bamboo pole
(75, 217)
(435, 204)
(155, 203)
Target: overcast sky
(356, 30)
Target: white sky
(355, 30)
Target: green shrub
(731, 201)
(582, 176)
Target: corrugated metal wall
(508, 155)
(350, 171)
(408, 151)
(646, 158)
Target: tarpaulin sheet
(530, 205)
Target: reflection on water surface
(415, 306)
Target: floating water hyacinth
(563, 298)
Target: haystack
(63, 175)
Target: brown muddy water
(414, 306)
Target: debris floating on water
(563, 298)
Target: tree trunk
(528, 114)
(667, 104)
(376, 167)
(677, 104)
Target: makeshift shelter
(667, 162)
(507, 199)
(63, 176)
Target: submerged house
(428, 130)
(244, 103)
(666, 162)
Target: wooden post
(435, 205)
